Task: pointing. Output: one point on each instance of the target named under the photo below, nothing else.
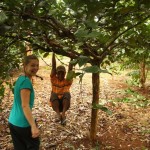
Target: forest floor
(128, 128)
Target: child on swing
(60, 94)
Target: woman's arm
(25, 97)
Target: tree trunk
(94, 113)
(142, 74)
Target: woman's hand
(35, 131)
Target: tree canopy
(92, 28)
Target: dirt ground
(128, 128)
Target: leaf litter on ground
(127, 128)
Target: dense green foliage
(92, 28)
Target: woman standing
(23, 128)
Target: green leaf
(70, 75)
(74, 62)
(91, 69)
(82, 60)
(93, 34)
(101, 107)
(3, 17)
(95, 69)
(4, 28)
(92, 23)
(80, 33)
(45, 55)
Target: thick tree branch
(88, 50)
(54, 24)
(48, 47)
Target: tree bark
(94, 113)
(142, 74)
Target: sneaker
(63, 121)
